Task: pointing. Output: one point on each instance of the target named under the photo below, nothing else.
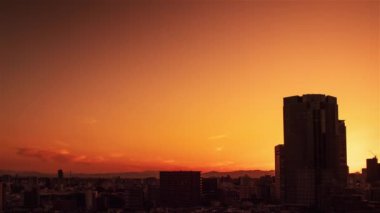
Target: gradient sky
(144, 85)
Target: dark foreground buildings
(373, 170)
(372, 178)
(311, 165)
(180, 189)
(2, 197)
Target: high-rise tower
(315, 162)
(279, 171)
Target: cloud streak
(217, 137)
(59, 156)
(219, 148)
(111, 162)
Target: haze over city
(165, 85)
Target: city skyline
(179, 85)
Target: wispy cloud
(217, 137)
(108, 162)
(60, 156)
(219, 148)
(169, 161)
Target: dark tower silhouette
(60, 174)
(342, 168)
(180, 189)
(279, 172)
(315, 162)
(373, 171)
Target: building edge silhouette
(311, 165)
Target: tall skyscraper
(341, 166)
(279, 171)
(180, 189)
(315, 163)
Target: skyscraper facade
(315, 163)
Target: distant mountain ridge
(239, 173)
(143, 174)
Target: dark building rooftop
(310, 98)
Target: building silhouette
(60, 174)
(180, 188)
(373, 170)
(279, 171)
(312, 163)
(209, 190)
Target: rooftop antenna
(373, 154)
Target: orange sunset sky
(149, 85)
